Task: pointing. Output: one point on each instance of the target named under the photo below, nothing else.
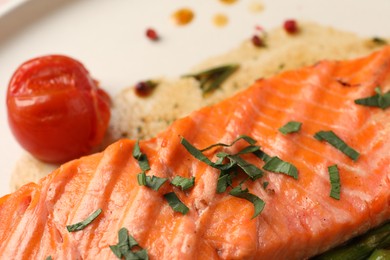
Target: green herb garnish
(379, 41)
(244, 194)
(224, 181)
(290, 127)
(334, 181)
(248, 139)
(49, 258)
(153, 182)
(211, 79)
(140, 157)
(378, 100)
(275, 164)
(183, 183)
(81, 225)
(175, 203)
(125, 245)
(265, 184)
(251, 170)
(335, 141)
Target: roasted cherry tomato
(55, 109)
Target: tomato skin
(55, 109)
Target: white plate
(108, 37)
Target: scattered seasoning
(257, 41)
(125, 245)
(211, 79)
(183, 183)
(151, 34)
(183, 16)
(378, 100)
(244, 194)
(220, 20)
(275, 164)
(140, 157)
(334, 182)
(153, 182)
(256, 7)
(379, 41)
(335, 141)
(175, 203)
(81, 225)
(145, 88)
(290, 127)
(229, 2)
(290, 26)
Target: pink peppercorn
(152, 34)
(290, 26)
(257, 41)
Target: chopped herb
(81, 225)
(153, 182)
(248, 139)
(251, 170)
(125, 245)
(262, 155)
(196, 153)
(339, 144)
(378, 100)
(244, 194)
(224, 181)
(265, 184)
(183, 183)
(275, 164)
(290, 127)
(379, 41)
(212, 79)
(140, 157)
(49, 258)
(175, 203)
(334, 182)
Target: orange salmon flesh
(299, 219)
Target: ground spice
(183, 16)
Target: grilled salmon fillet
(299, 220)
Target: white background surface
(108, 37)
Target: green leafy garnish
(211, 79)
(334, 181)
(378, 100)
(224, 181)
(49, 258)
(265, 184)
(244, 194)
(335, 141)
(248, 139)
(175, 203)
(251, 170)
(290, 127)
(379, 41)
(153, 182)
(140, 157)
(275, 164)
(125, 245)
(183, 183)
(81, 225)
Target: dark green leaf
(262, 155)
(265, 184)
(378, 100)
(212, 79)
(244, 194)
(196, 153)
(153, 182)
(290, 127)
(81, 225)
(248, 139)
(125, 245)
(249, 149)
(334, 182)
(224, 181)
(275, 164)
(379, 41)
(140, 157)
(175, 203)
(49, 258)
(335, 141)
(184, 183)
(251, 170)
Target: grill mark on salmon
(299, 220)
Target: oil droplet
(256, 7)
(229, 2)
(220, 20)
(183, 16)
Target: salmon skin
(299, 219)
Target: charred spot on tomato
(151, 34)
(55, 109)
(291, 26)
(145, 88)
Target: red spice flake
(152, 34)
(257, 41)
(290, 26)
(144, 88)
